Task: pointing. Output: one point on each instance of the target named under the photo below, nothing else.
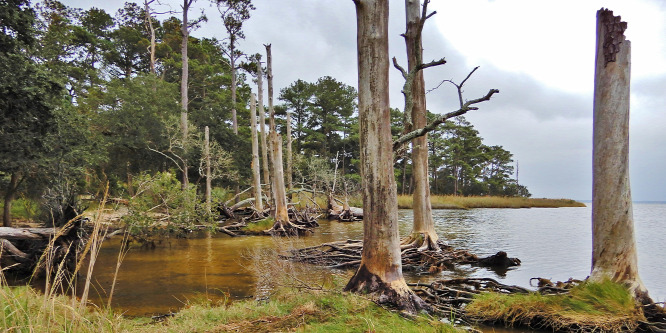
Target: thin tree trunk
(404, 175)
(271, 126)
(149, 22)
(232, 58)
(9, 198)
(423, 234)
(262, 125)
(256, 175)
(208, 176)
(614, 254)
(380, 270)
(184, 100)
(290, 160)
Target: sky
(539, 54)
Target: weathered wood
(614, 252)
(26, 233)
(208, 176)
(380, 271)
(262, 124)
(256, 175)
(7, 246)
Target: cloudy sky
(539, 54)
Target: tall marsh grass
(460, 202)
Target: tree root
(347, 254)
(422, 241)
(300, 223)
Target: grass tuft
(605, 306)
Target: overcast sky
(539, 54)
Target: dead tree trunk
(151, 29)
(262, 124)
(282, 225)
(184, 99)
(614, 253)
(380, 271)
(256, 177)
(423, 235)
(232, 59)
(208, 175)
(290, 160)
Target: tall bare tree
(380, 271)
(208, 174)
(184, 99)
(256, 176)
(614, 254)
(262, 123)
(282, 225)
(423, 234)
(290, 157)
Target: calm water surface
(552, 243)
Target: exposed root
(347, 254)
(300, 223)
(383, 293)
(422, 241)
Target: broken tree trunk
(614, 253)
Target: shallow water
(554, 243)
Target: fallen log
(26, 233)
(344, 213)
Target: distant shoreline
(460, 202)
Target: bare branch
(463, 109)
(169, 157)
(398, 67)
(432, 64)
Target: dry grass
(599, 307)
(459, 202)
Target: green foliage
(161, 206)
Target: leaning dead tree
(614, 254)
(380, 270)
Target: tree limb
(463, 109)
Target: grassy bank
(602, 307)
(459, 202)
(25, 310)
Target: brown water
(552, 243)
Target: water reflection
(552, 243)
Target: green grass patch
(259, 226)
(460, 202)
(605, 306)
(23, 209)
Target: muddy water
(552, 243)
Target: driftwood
(21, 249)
(344, 212)
(347, 254)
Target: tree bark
(208, 175)
(184, 99)
(614, 254)
(232, 59)
(262, 124)
(14, 182)
(290, 160)
(256, 176)
(423, 234)
(380, 271)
